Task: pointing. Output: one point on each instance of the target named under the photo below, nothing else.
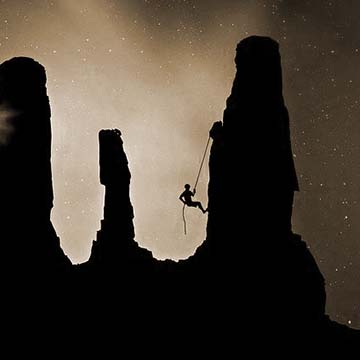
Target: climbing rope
(202, 163)
(184, 219)
(197, 180)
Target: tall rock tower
(115, 247)
(28, 237)
(251, 189)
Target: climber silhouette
(186, 198)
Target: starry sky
(161, 71)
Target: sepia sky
(161, 71)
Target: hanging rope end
(184, 219)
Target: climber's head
(187, 186)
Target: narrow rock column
(28, 237)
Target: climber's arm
(181, 198)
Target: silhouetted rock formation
(251, 163)
(118, 270)
(251, 259)
(256, 127)
(28, 238)
(115, 245)
(251, 272)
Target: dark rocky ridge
(251, 272)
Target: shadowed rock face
(25, 162)
(250, 273)
(257, 133)
(258, 71)
(115, 240)
(271, 276)
(251, 270)
(26, 190)
(251, 189)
